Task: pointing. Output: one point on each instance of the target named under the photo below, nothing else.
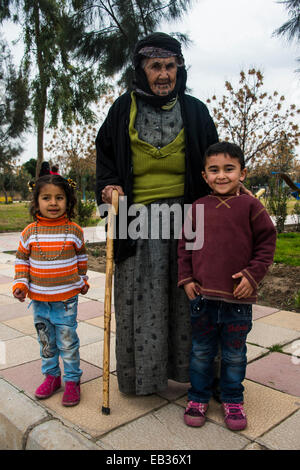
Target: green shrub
(85, 210)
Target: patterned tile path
(272, 390)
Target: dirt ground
(278, 288)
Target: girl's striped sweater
(56, 280)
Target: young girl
(50, 267)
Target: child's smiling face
(52, 201)
(223, 174)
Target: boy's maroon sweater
(239, 235)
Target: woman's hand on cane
(107, 193)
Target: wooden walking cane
(107, 303)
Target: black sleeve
(106, 167)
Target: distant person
(220, 277)
(45, 169)
(54, 170)
(54, 245)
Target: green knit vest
(158, 172)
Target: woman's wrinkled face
(161, 74)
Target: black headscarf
(166, 42)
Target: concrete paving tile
(260, 311)
(285, 436)
(96, 293)
(253, 352)
(28, 376)
(293, 349)
(97, 281)
(7, 270)
(96, 274)
(93, 353)
(254, 446)
(276, 370)
(8, 333)
(90, 309)
(23, 324)
(20, 350)
(53, 435)
(5, 279)
(165, 430)
(88, 416)
(12, 308)
(89, 333)
(99, 321)
(175, 390)
(265, 409)
(284, 319)
(6, 258)
(18, 414)
(6, 288)
(82, 299)
(268, 335)
(8, 299)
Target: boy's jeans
(217, 322)
(56, 325)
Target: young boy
(221, 281)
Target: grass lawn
(14, 217)
(288, 249)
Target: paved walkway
(272, 386)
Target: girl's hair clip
(71, 183)
(31, 185)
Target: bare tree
(255, 120)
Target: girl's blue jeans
(56, 324)
(214, 323)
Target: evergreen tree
(60, 85)
(107, 32)
(13, 106)
(291, 28)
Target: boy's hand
(191, 290)
(19, 294)
(84, 289)
(244, 289)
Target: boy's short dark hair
(233, 150)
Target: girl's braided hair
(68, 186)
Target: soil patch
(278, 289)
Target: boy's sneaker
(194, 414)
(48, 387)
(235, 416)
(71, 395)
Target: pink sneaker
(235, 416)
(194, 414)
(48, 387)
(71, 395)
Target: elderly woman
(150, 148)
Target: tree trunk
(40, 137)
(42, 92)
